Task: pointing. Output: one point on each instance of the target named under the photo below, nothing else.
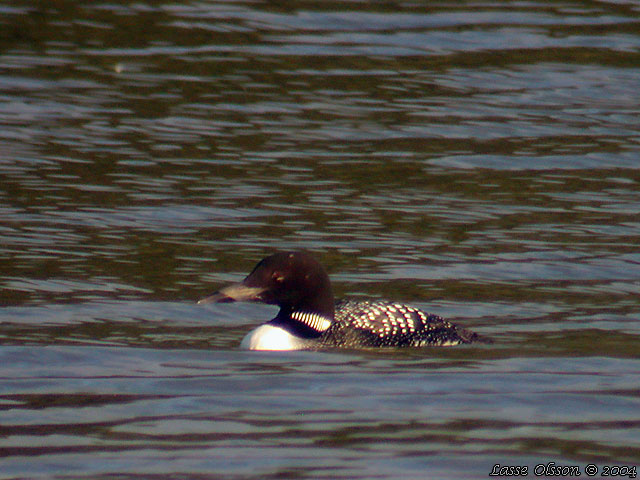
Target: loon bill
(310, 319)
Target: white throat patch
(269, 337)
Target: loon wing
(384, 323)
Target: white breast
(269, 337)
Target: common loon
(309, 319)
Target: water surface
(480, 161)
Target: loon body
(309, 318)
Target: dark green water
(477, 160)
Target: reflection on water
(479, 161)
(204, 411)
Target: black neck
(293, 326)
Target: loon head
(294, 281)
